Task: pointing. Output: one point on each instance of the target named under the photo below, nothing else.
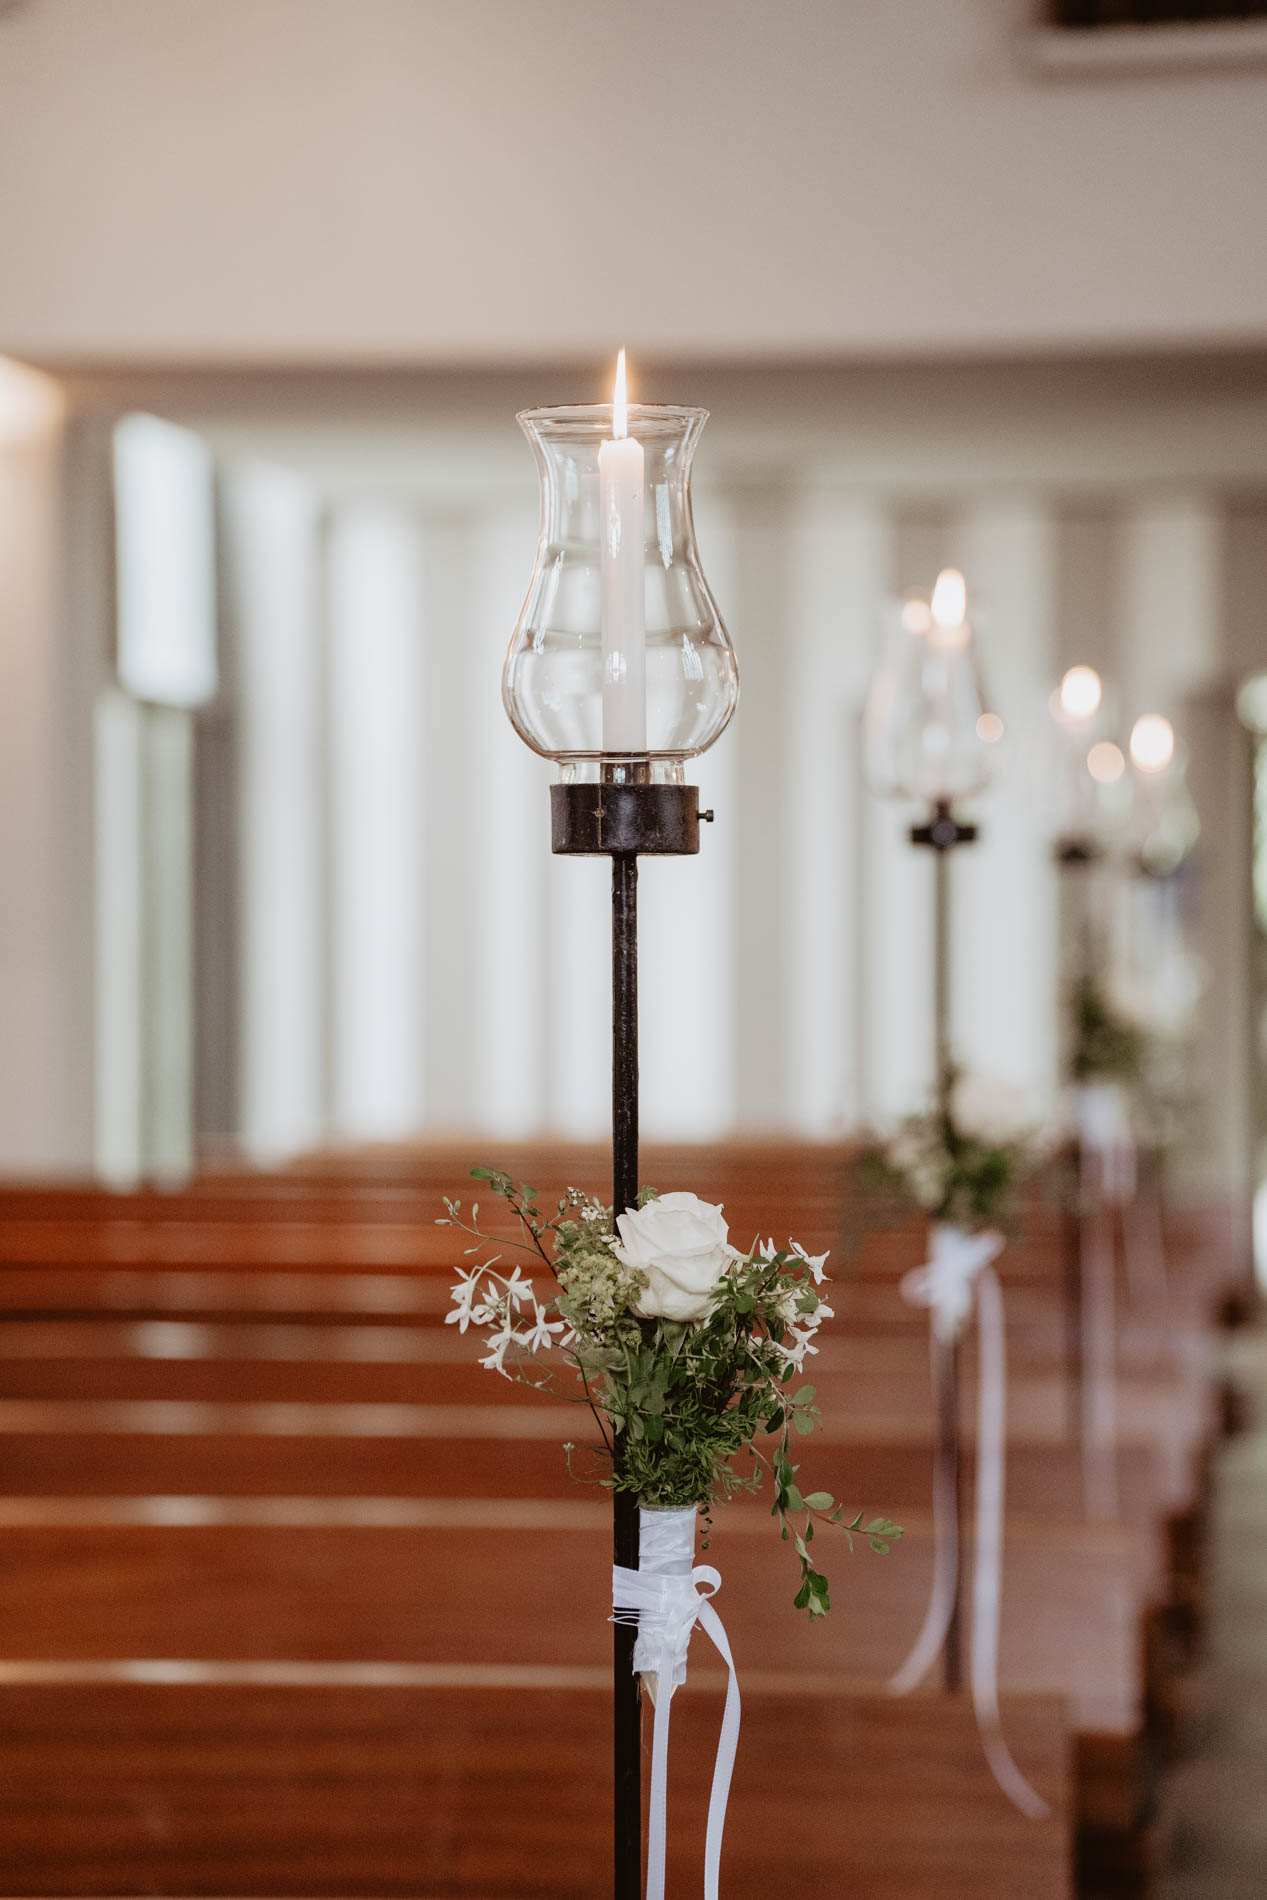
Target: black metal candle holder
(941, 834)
(625, 821)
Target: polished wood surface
(297, 1599)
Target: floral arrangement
(963, 1160)
(684, 1348)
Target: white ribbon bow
(667, 1596)
(959, 1267)
(1108, 1143)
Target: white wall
(46, 762)
(362, 180)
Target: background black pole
(627, 1687)
(942, 833)
(946, 1351)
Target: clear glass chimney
(620, 661)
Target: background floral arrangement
(1106, 1044)
(685, 1350)
(961, 1162)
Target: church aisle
(1217, 1796)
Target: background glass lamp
(927, 729)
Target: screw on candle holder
(601, 820)
(623, 819)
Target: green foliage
(1104, 1045)
(683, 1407)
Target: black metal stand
(1076, 858)
(623, 820)
(941, 834)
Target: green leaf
(806, 1393)
(820, 1500)
(801, 1600)
(793, 1500)
(804, 1425)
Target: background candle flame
(1152, 743)
(620, 406)
(950, 599)
(1081, 692)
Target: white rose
(681, 1244)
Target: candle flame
(1152, 743)
(1080, 692)
(950, 599)
(620, 406)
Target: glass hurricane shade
(619, 652)
(928, 733)
(1164, 826)
(1087, 792)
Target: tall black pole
(1077, 858)
(942, 833)
(624, 816)
(627, 1687)
(946, 1351)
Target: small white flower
(815, 1262)
(517, 1289)
(539, 1337)
(499, 1344)
(468, 1308)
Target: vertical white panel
(509, 789)
(1004, 966)
(687, 921)
(895, 997)
(119, 1065)
(841, 559)
(273, 561)
(1170, 595)
(766, 595)
(451, 842)
(893, 895)
(167, 940)
(46, 766)
(375, 721)
(578, 1049)
(1172, 588)
(165, 562)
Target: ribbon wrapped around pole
(958, 1274)
(667, 1595)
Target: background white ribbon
(960, 1267)
(666, 1596)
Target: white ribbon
(960, 1267)
(668, 1596)
(1108, 1144)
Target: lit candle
(623, 604)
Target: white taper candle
(623, 601)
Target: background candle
(624, 632)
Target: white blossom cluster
(509, 1307)
(802, 1326)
